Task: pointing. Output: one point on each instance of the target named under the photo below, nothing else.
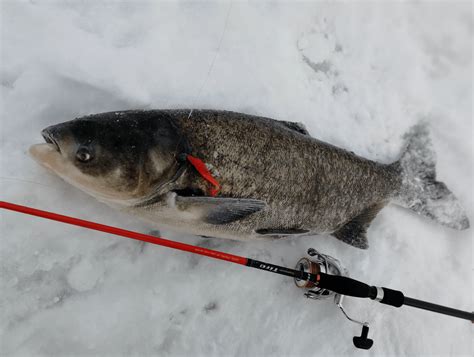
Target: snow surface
(357, 74)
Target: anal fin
(354, 232)
(277, 233)
(281, 231)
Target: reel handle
(362, 341)
(351, 287)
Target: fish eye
(83, 155)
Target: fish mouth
(50, 139)
(49, 152)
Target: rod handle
(350, 287)
(392, 297)
(346, 286)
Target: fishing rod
(320, 275)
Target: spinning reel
(322, 263)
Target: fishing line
(211, 67)
(28, 181)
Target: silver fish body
(275, 179)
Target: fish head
(116, 157)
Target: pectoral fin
(219, 210)
(354, 232)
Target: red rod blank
(124, 233)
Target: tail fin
(420, 191)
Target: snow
(357, 74)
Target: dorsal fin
(354, 232)
(298, 127)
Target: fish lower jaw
(43, 154)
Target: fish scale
(314, 180)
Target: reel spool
(322, 263)
(318, 263)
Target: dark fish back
(305, 182)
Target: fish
(216, 173)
